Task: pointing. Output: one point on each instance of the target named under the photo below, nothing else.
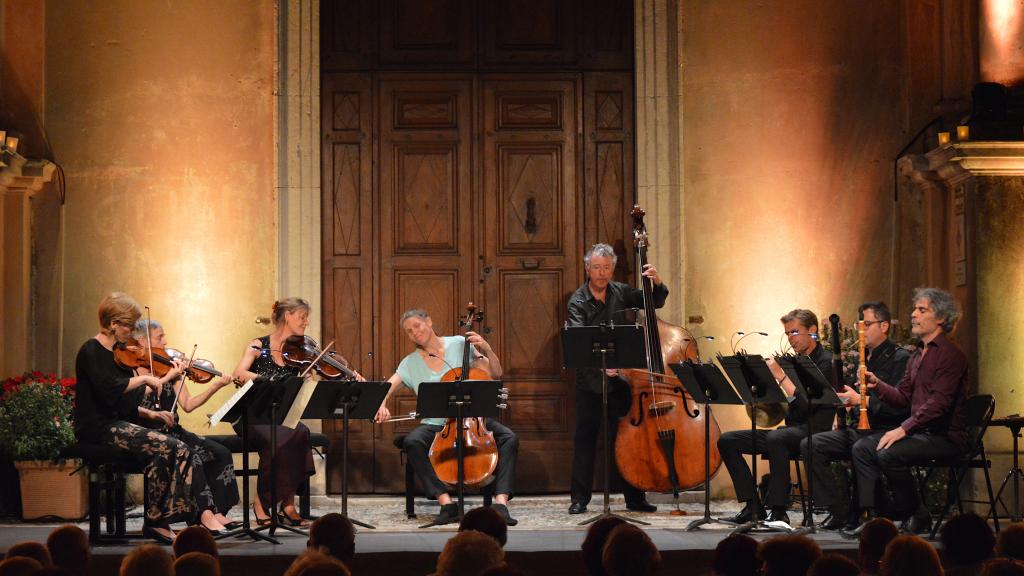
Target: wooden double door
(441, 189)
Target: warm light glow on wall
(1001, 49)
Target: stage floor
(546, 541)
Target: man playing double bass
(601, 301)
(435, 355)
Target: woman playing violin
(435, 355)
(213, 471)
(293, 458)
(107, 412)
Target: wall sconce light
(12, 143)
(963, 133)
(943, 138)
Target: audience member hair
(335, 534)
(69, 548)
(31, 550)
(196, 564)
(833, 565)
(147, 560)
(195, 539)
(1003, 567)
(967, 539)
(502, 570)
(1011, 542)
(488, 521)
(468, 554)
(910, 555)
(786, 555)
(736, 555)
(313, 562)
(875, 536)
(593, 543)
(52, 571)
(630, 551)
(19, 566)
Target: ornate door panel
(530, 260)
(428, 225)
(347, 248)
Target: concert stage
(546, 541)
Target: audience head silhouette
(593, 543)
(335, 535)
(1003, 567)
(19, 566)
(195, 539)
(910, 555)
(488, 521)
(875, 536)
(30, 550)
(629, 551)
(736, 555)
(967, 540)
(147, 560)
(468, 554)
(1011, 542)
(196, 564)
(313, 562)
(833, 565)
(69, 548)
(786, 555)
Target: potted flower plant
(35, 425)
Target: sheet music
(217, 416)
(291, 420)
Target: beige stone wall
(792, 113)
(163, 117)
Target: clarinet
(837, 367)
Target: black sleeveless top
(265, 366)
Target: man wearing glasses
(780, 444)
(888, 362)
(934, 388)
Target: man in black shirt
(889, 362)
(602, 301)
(780, 444)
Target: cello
(660, 444)
(479, 450)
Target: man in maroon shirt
(933, 388)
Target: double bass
(660, 443)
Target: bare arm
(383, 413)
(249, 355)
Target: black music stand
(1014, 422)
(346, 400)
(706, 385)
(459, 400)
(604, 347)
(809, 381)
(754, 381)
(274, 403)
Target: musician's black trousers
(895, 462)
(417, 447)
(777, 445)
(588, 427)
(829, 447)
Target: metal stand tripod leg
(344, 469)
(607, 511)
(756, 523)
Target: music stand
(706, 385)
(273, 405)
(809, 381)
(754, 381)
(346, 400)
(459, 400)
(604, 347)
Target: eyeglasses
(870, 323)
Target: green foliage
(35, 416)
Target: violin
(303, 352)
(479, 450)
(132, 355)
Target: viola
(303, 351)
(479, 450)
(660, 445)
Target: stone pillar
(298, 153)
(659, 142)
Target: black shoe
(233, 525)
(919, 523)
(778, 515)
(449, 514)
(854, 532)
(745, 515)
(641, 506)
(577, 508)
(153, 531)
(503, 510)
(837, 518)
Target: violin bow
(149, 348)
